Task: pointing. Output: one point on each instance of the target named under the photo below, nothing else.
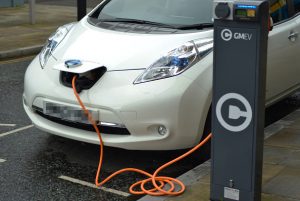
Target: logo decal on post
(226, 34)
(234, 112)
(73, 63)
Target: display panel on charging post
(240, 51)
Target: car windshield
(168, 12)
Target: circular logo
(234, 112)
(73, 63)
(226, 34)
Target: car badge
(73, 63)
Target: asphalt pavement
(20, 38)
(35, 165)
(41, 166)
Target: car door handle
(293, 36)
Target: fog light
(162, 130)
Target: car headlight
(177, 61)
(53, 41)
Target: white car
(145, 72)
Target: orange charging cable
(158, 182)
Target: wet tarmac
(31, 161)
(35, 160)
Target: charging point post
(239, 74)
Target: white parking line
(15, 131)
(84, 183)
(2, 160)
(8, 125)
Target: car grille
(113, 130)
(85, 80)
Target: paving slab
(293, 161)
(286, 183)
(199, 192)
(296, 125)
(281, 167)
(270, 171)
(17, 33)
(276, 155)
(268, 197)
(288, 138)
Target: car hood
(117, 50)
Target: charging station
(239, 74)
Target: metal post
(81, 9)
(240, 33)
(32, 11)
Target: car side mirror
(270, 23)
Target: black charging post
(239, 73)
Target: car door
(297, 36)
(283, 51)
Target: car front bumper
(141, 108)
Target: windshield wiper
(137, 21)
(180, 27)
(195, 26)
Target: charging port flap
(83, 67)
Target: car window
(297, 6)
(173, 12)
(279, 10)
